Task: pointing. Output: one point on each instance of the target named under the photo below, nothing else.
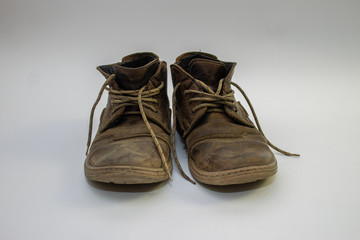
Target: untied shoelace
(214, 101)
(124, 98)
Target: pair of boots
(133, 145)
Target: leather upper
(122, 138)
(216, 140)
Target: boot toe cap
(138, 152)
(227, 154)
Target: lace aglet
(288, 153)
(190, 180)
(193, 182)
(293, 154)
(282, 151)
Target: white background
(298, 61)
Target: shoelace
(124, 98)
(215, 101)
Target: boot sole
(234, 176)
(125, 174)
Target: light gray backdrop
(299, 62)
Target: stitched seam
(246, 171)
(219, 136)
(129, 169)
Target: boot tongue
(208, 71)
(129, 78)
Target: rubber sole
(125, 174)
(234, 176)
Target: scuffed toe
(228, 154)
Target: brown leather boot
(132, 144)
(224, 146)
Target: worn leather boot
(132, 144)
(224, 147)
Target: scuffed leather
(124, 140)
(216, 141)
